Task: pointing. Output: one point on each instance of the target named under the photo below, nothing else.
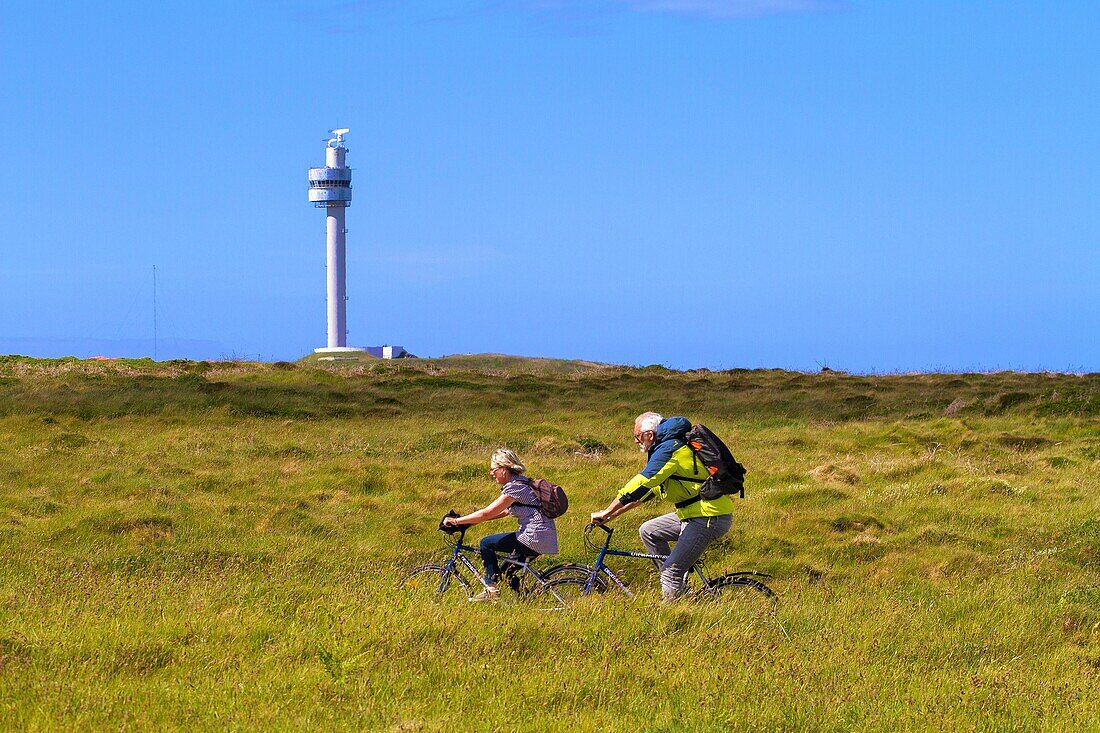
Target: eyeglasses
(638, 436)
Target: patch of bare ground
(549, 445)
(832, 473)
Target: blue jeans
(505, 542)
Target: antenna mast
(154, 312)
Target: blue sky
(889, 186)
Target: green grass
(216, 545)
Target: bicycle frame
(605, 550)
(458, 557)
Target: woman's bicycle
(574, 580)
(457, 578)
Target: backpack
(552, 499)
(727, 476)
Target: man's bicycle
(458, 579)
(574, 580)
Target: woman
(537, 534)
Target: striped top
(536, 531)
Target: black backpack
(727, 476)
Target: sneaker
(487, 594)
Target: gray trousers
(692, 537)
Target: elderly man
(671, 473)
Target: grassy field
(216, 546)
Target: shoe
(488, 594)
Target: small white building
(389, 352)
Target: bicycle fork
(451, 568)
(601, 567)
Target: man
(675, 474)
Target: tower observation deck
(330, 189)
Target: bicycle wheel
(429, 583)
(570, 587)
(569, 569)
(743, 588)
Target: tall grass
(192, 545)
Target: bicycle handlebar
(452, 529)
(592, 546)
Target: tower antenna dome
(339, 139)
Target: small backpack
(727, 476)
(552, 499)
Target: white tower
(330, 189)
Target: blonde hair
(507, 457)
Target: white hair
(507, 457)
(647, 422)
